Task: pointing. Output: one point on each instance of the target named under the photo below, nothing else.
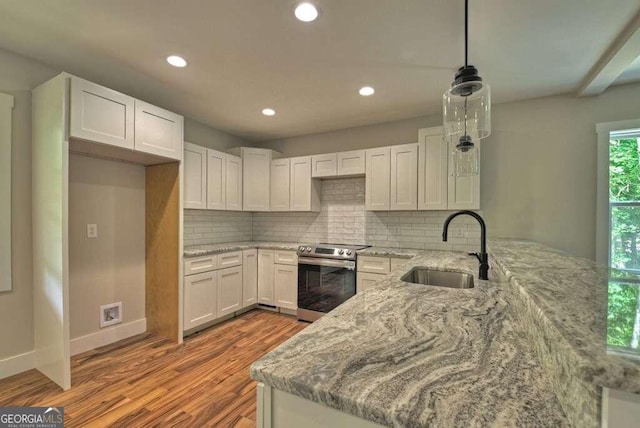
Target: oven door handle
(346, 264)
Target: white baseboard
(107, 336)
(17, 364)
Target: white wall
(111, 267)
(538, 166)
(17, 76)
(215, 227)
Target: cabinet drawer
(286, 258)
(396, 261)
(200, 264)
(371, 264)
(232, 259)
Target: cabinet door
(324, 165)
(200, 299)
(378, 179)
(432, 169)
(404, 177)
(256, 169)
(286, 286)
(100, 114)
(195, 177)
(216, 180)
(249, 277)
(365, 280)
(265, 277)
(464, 192)
(305, 194)
(233, 185)
(158, 131)
(351, 163)
(280, 184)
(229, 290)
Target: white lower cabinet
(265, 277)
(229, 290)
(278, 278)
(286, 286)
(373, 268)
(218, 285)
(200, 299)
(249, 277)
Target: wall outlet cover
(92, 231)
(457, 233)
(110, 314)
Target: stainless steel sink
(438, 278)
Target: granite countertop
(569, 296)
(204, 250)
(404, 354)
(400, 253)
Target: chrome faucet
(482, 256)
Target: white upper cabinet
(158, 131)
(404, 177)
(464, 192)
(304, 191)
(378, 179)
(324, 165)
(280, 184)
(216, 178)
(351, 163)
(432, 169)
(233, 184)
(101, 115)
(195, 177)
(256, 167)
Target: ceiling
(245, 55)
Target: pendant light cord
(466, 32)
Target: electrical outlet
(92, 231)
(110, 314)
(457, 233)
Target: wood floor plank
(149, 381)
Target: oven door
(325, 284)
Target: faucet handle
(477, 256)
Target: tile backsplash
(215, 227)
(342, 219)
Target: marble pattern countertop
(400, 253)
(569, 297)
(410, 355)
(205, 250)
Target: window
(623, 320)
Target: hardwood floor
(148, 381)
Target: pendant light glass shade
(465, 163)
(467, 112)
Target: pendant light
(466, 109)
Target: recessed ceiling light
(176, 61)
(306, 12)
(365, 91)
(268, 112)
